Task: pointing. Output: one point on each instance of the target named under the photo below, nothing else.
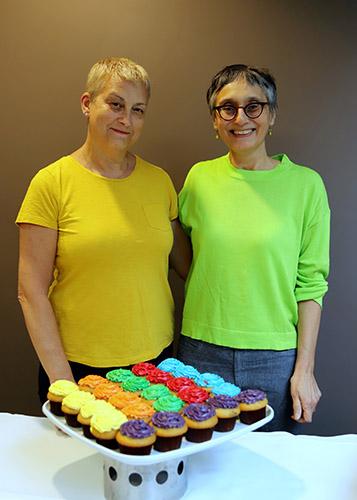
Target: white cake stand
(158, 476)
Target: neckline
(258, 175)
(78, 164)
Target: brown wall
(47, 50)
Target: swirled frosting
(223, 401)
(63, 387)
(122, 399)
(135, 383)
(136, 429)
(167, 420)
(176, 383)
(106, 390)
(158, 376)
(142, 369)
(141, 409)
(170, 364)
(119, 375)
(226, 388)
(250, 396)
(106, 422)
(76, 399)
(91, 381)
(155, 391)
(211, 379)
(193, 394)
(199, 412)
(96, 406)
(168, 403)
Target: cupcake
(106, 390)
(252, 403)
(140, 410)
(135, 384)
(90, 408)
(227, 411)
(200, 419)
(135, 437)
(71, 405)
(168, 403)
(226, 388)
(90, 382)
(57, 391)
(104, 427)
(154, 392)
(123, 398)
(119, 375)
(193, 394)
(170, 428)
(143, 369)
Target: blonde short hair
(115, 67)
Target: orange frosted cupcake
(122, 399)
(90, 382)
(140, 410)
(106, 390)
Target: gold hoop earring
(270, 132)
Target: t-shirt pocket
(157, 216)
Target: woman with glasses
(95, 238)
(259, 227)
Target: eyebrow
(233, 101)
(117, 96)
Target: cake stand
(158, 476)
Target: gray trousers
(267, 370)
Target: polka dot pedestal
(165, 480)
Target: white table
(38, 462)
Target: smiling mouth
(242, 133)
(118, 131)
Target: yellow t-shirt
(110, 292)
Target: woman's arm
(37, 254)
(181, 253)
(304, 390)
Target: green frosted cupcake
(168, 403)
(155, 392)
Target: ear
(85, 103)
(272, 118)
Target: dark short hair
(254, 76)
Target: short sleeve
(183, 200)
(313, 265)
(41, 203)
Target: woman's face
(243, 134)
(116, 114)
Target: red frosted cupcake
(193, 394)
(143, 369)
(177, 383)
(158, 376)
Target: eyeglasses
(252, 110)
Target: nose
(125, 117)
(241, 116)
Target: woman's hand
(305, 394)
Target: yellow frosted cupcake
(71, 405)
(104, 427)
(57, 391)
(94, 407)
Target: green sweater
(260, 245)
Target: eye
(253, 107)
(139, 111)
(116, 105)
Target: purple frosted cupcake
(227, 411)
(169, 428)
(200, 419)
(252, 403)
(135, 437)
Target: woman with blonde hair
(95, 238)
